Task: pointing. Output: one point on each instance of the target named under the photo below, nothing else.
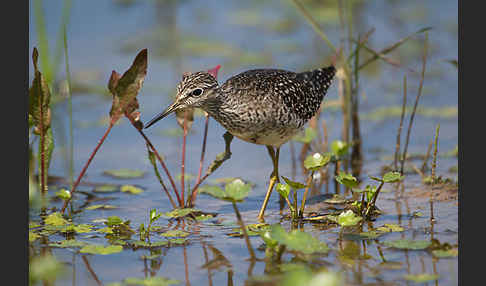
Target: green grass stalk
(424, 62)
(399, 132)
(436, 143)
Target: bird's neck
(214, 104)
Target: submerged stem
(86, 166)
(245, 234)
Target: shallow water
(101, 38)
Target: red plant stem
(186, 267)
(183, 158)
(203, 151)
(86, 166)
(42, 143)
(91, 270)
(163, 165)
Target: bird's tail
(320, 78)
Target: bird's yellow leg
(274, 178)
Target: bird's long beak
(163, 114)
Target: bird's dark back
(301, 93)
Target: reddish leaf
(214, 71)
(125, 90)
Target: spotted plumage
(261, 106)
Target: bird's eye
(197, 92)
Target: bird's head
(192, 91)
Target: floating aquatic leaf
(204, 217)
(316, 161)
(101, 207)
(152, 281)
(125, 173)
(63, 194)
(251, 229)
(80, 228)
(421, 278)
(392, 177)
(113, 221)
(213, 191)
(294, 185)
(283, 190)
(295, 240)
(348, 218)
(175, 233)
(336, 199)
(177, 213)
(33, 236)
(139, 243)
(390, 228)
(70, 243)
(55, 219)
(237, 190)
(408, 244)
(100, 249)
(108, 188)
(445, 253)
(177, 241)
(370, 234)
(131, 189)
(107, 230)
(339, 148)
(33, 224)
(347, 179)
(417, 214)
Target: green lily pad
(390, 228)
(108, 188)
(63, 194)
(347, 179)
(392, 177)
(125, 173)
(33, 224)
(294, 185)
(55, 219)
(336, 199)
(33, 236)
(237, 190)
(177, 213)
(445, 253)
(295, 240)
(107, 230)
(80, 228)
(113, 220)
(152, 281)
(131, 189)
(339, 148)
(408, 244)
(175, 233)
(204, 217)
(370, 234)
(100, 249)
(283, 190)
(421, 278)
(177, 241)
(101, 207)
(316, 161)
(348, 218)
